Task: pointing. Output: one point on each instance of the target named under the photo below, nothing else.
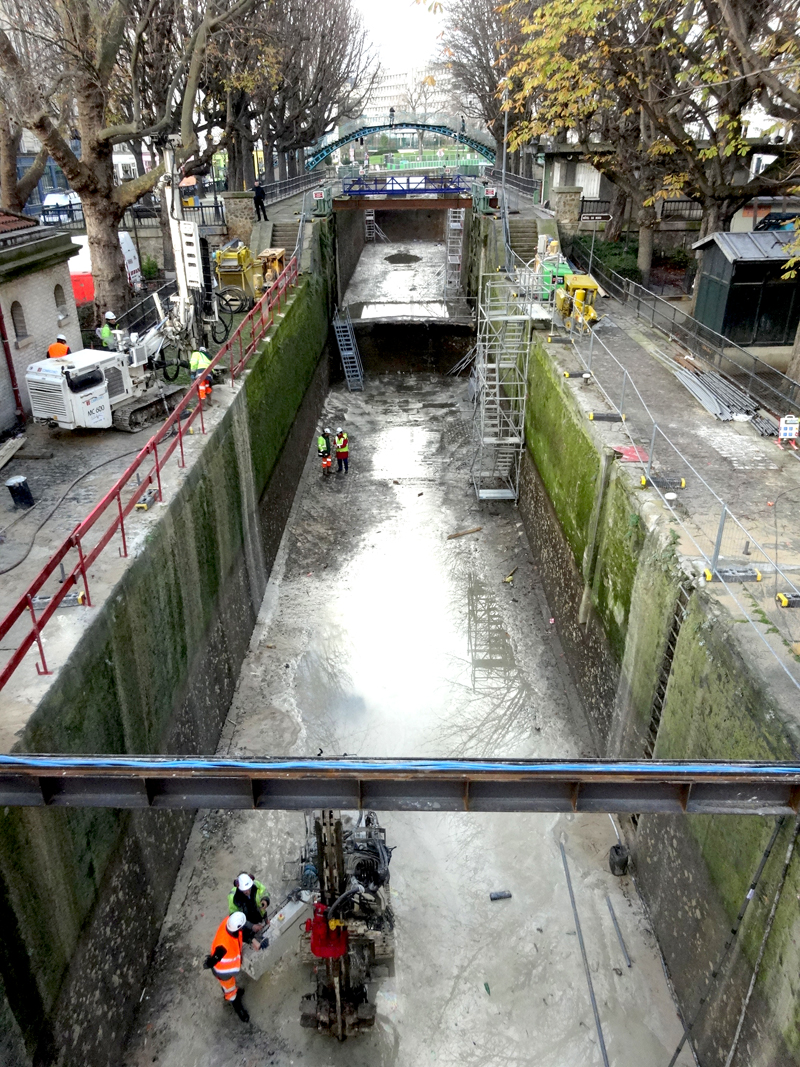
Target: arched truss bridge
(365, 131)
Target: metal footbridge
(641, 786)
(426, 127)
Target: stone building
(36, 301)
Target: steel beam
(421, 202)
(679, 787)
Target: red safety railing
(121, 499)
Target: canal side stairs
(348, 350)
(524, 235)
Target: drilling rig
(120, 387)
(345, 865)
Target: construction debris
(500, 894)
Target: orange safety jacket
(57, 349)
(231, 963)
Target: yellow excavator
(575, 302)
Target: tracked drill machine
(346, 865)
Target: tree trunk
(282, 175)
(619, 199)
(248, 164)
(793, 370)
(269, 167)
(292, 163)
(111, 290)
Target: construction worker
(342, 450)
(324, 450)
(198, 361)
(225, 960)
(58, 348)
(252, 899)
(107, 331)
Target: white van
(60, 207)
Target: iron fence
(531, 187)
(682, 209)
(594, 207)
(748, 574)
(770, 387)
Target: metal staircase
(455, 252)
(500, 387)
(372, 230)
(348, 350)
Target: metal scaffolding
(500, 378)
(372, 230)
(454, 253)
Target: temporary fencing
(109, 515)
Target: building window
(18, 318)
(61, 304)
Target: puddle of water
(402, 257)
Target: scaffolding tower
(499, 383)
(455, 251)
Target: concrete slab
(378, 636)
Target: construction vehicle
(345, 866)
(575, 300)
(121, 387)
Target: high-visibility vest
(322, 445)
(342, 443)
(198, 361)
(57, 349)
(260, 893)
(107, 336)
(231, 962)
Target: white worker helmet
(339, 429)
(235, 922)
(61, 337)
(110, 315)
(203, 349)
(326, 430)
(245, 882)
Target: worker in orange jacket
(58, 348)
(225, 960)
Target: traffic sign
(600, 217)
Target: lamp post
(505, 142)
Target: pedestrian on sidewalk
(259, 201)
(252, 899)
(342, 450)
(225, 960)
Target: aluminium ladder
(454, 252)
(371, 228)
(348, 349)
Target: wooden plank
(9, 449)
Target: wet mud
(379, 636)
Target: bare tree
(417, 99)
(14, 191)
(63, 60)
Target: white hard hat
(235, 922)
(61, 337)
(326, 430)
(339, 429)
(110, 315)
(245, 882)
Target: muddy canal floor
(380, 637)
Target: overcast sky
(403, 33)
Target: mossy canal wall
(611, 572)
(83, 891)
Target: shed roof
(10, 221)
(758, 246)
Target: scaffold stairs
(348, 350)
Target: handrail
(236, 352)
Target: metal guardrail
(772, 388)
(619, 787)
(728, 554)
(121, 499)
(591, 206)
(141, 216)
(531, 187)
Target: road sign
(318, 194)
(599, 217)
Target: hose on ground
(60, 501)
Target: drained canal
(378, 635)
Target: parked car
(60, 207)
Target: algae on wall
(85, 889)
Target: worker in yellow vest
(225, 960)
(342, 450)
(107, 331)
